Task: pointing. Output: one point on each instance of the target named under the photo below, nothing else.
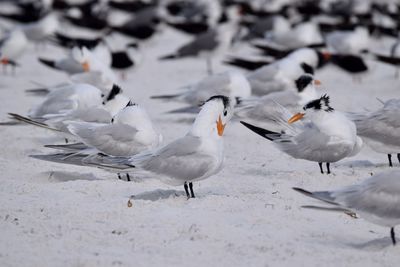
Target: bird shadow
(158, 195)
(358, 164)
(62, 176)
(373, 245)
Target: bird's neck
(205, 123)
(307, 95)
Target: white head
(115, 101)
(314, 110)
(305, 85)
(82, 57)
(306, 55)
(213, 117)
(132, 114)
(240, 86)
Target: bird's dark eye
(112, 120)
(104, 103)
(304, 108)
(225, 113)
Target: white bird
(380, 129)
(301, 35)
(12, 46)
(128, 133)
(76, 102)
(281, 74)
(84, 60)
(209, 44)
(233, 84)
(377, 199)
(328, 136)
(38, 31)
(196, 156)
(349, 42)
(259, 108)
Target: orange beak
(296, 117)
(4, 61)
(85, 66)
(326, 55)
(317, 82)
(220, 126)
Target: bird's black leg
(320, 167)
(398, 157)
(186, 190)
(119, 176)
(328, 167)
(191, 190)
(390, 160)
(392, 235)
(128, 178)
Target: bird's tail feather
(31, 121)
(324, 196)
(166, 57)
(49, 63)
(38, 91)
(165, 96)
(69, 147)
(96, 160)
(335, 209)
(263, 132)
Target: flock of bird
(277, 90)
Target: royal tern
(349, 42)
(376, 199)
(12, 47)
(196, 156)
(233, 84)
(76, 102)
(84, 60)
(281, 74)
(38, 31)
(259, 108)
(380, 129)
(210, 43)
(301, 35)
(328, 136)
(128, 133)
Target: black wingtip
(302, 191)
(260, 131)
(49, 63)
(172, 56)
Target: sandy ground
(247, 215)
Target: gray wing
(214, 85)
(204, 42)
(180, 159)
(110, 139)
(378, 195)
(382, 125)
(306, 145)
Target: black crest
(130, 103)
(307, 68)
(225, 99)
(320, 104)
(303, 81)
(114, 91)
